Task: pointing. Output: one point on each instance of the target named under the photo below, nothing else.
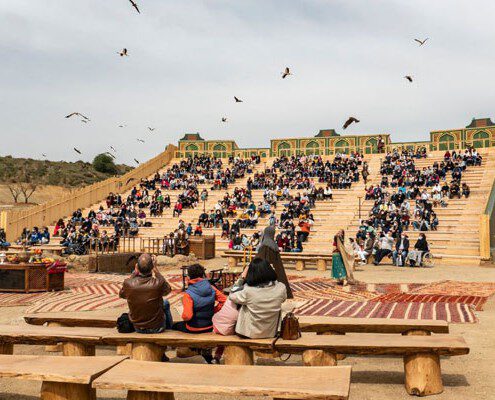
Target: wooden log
(54, 348)
(6, 348)
(319, 358)
(267, 354)
(338, 356)
(300, 265)
(135, 395)
(423, 376)
(232, 262)
(124, 349)
(238, 355)
(321, 264)
(185, 352)
(78, 349)
(146, 352)
(67, 391)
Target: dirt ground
(42, 194)
(373, 378)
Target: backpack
(124, 324)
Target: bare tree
(27, 190)
(15, 190)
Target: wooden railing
(14, 221)
(487, 227)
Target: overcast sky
(187, 59)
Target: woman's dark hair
(260, 272)
(195, 271)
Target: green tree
(104, 163)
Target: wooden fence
(13, 221)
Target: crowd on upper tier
(392, 213)
(301, 172)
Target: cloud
(188, 59)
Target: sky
(187, 59)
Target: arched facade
(191, 150)
(481, 139)
(446, 142)
(284, 149)
(342, 146)
(312, 148)
(371, 146)
(219, 151)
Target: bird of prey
(77, 151)
(113, 149)
(44, 155)
(224, 119)
(286, 73)
(421, 42)
(78, 114)
(151, 129)
(349, 121)
(135, 6)
(237, 100)
(123, 52)
(122, 126)
(409, 78)
(140, 140)
(137, 162)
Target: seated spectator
(144, 292)
(198, 231)
(45, 236)
(385, 245)
(3, 239)
(401, 249)
(260, 296)
(415, 257)
(465, 190)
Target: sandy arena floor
(373, 378)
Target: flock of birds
(287, 72)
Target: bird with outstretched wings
(151, 129)
(409, 78)
(140, 140)
(224, 119)
(137, 162)
(123, 52)
(286, 73)
(77, 151)
(421, 42)
(135, 6)
(78, 114)
(113, 149)
(349, 121)
(237, 100)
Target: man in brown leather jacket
(144, 292)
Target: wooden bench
(159, 381)
(308, 323)
(69, 378)
(300, 259)
(75, 341)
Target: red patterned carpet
(451, 301)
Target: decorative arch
(371, 146)
(191, 147)
(446, 142)
(219, 151)
(284, 149)
(342, 146)
(313, 147)
(481, 139)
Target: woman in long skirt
(342, 261)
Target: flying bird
(421, 42)
(131, 179)
(237, 100)
(224, 119)
(123, 52)
(137, 162)
(151, 129)
(135, 6)
(140, 140)
(78, 114)
(349, 121)
(122, 126)
(113, 149)
(85, 121)
(409, 78)
(44, 155)
(77, 151)
(286, 73)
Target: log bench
(69, 378)
(300, 259)
(159, 381)
(308, 323)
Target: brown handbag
(290, 329)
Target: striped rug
(476, 301)
(450, 312)
(458, 288)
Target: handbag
(290, 328)
(124, 324)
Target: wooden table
(27, 278)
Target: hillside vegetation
(56, 173)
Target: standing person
(342, 260)
(144, 292)
(270, 252)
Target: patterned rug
(458, 288)
(476, 301)
(450, 312)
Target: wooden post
(232, 262)
(54, 348)
(78, 349)
(484, 237)
(321, 264)
(146, 352)
(423, 376)
(66, 391)
(6, 348)
(124, 349)
(238, 355)
(185, 352)
(319, 358)
(134, 395)
(300, 265)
